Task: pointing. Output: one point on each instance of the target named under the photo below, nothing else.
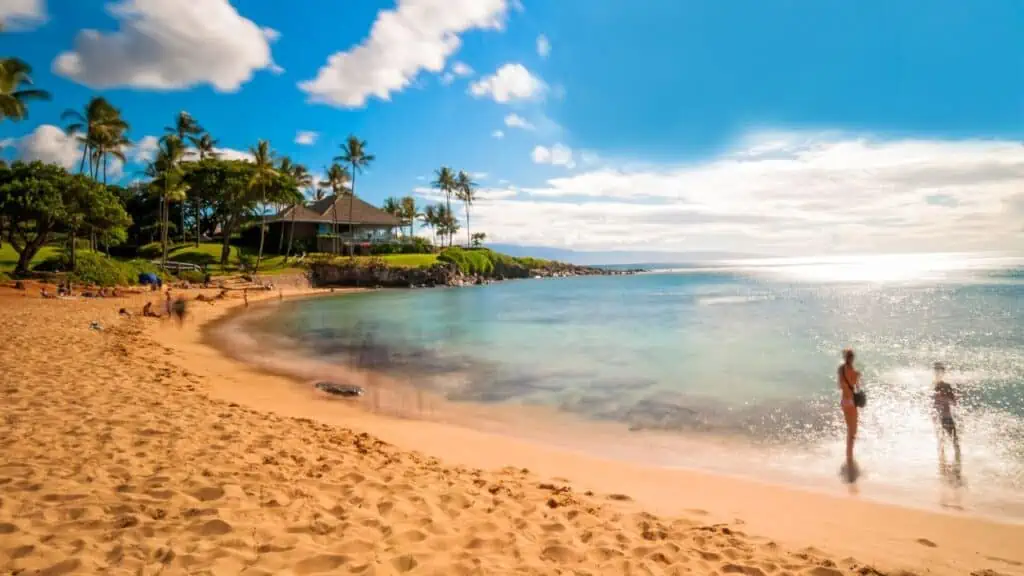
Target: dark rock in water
(344, 390)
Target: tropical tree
(206, 147)
(186, 129)
(429, 218)
(15, 77)
(337, 179)
(304, 181)
(98, 126)
(392, 206)
(466, 192)
(410, 213)
(353, 153)
(263, 160)
(447, 223)
(167, 180)
(233, 202)
(477, 239)
(36, 199)
(446, 182)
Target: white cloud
(543, 46)
(306, 138)
(417, 35)
(22, 14)
(191, 155)
(517, 121)
(170, 46)
(50, 144)
(510, 82)
(790, 194)
(461, 69)
(145, 149)
(499, 134)
(447, 78)
(479, 175)
(557, 155)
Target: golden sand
(130, 447)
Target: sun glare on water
(887, 268)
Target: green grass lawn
(406, 260)
(9, 258)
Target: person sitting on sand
(147, 311)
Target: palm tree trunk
(85, 154)
(351, 229)
(74, 261)
(199, 218)
(163, 225)
(183, 222)
(280, 235)
(469, 238)
(334, 228)
(291, 233)
(263, 225)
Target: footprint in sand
(927, 542)
(208, 493)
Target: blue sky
(775, 127)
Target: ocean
(737, 356)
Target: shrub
(151, 250)
(95, 268)
(469, 261)
(192, 276)
(416, 245)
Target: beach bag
(860, 398)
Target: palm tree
(165, 171)
(106, 144)
(353, 153)
(185, 129)
(15, 74)
(304, 180)
(410, 212)
(466, 191)
(263, 158)
(337, 178)
(447, 184)
(429, 218)
(391, 206)
(99, 123)
(206, 147)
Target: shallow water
(745, 352)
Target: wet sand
(133, 447)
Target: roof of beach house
(320, 211)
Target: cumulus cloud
(50, 144)
(145, 149)
(461, 69)
(499, 134)
(170, 46)
(511, 82)
(417, 35)
(796, 194)
(543, 46)
(306, 138)
(557, 155)
(47, 143)
(191, 155)
(517, 121)
(22, 14)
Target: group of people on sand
(853, 399)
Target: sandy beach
(130, 446)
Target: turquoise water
(745, 351)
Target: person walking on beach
(849, 388)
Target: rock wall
(440, 274)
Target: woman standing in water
(849, 383)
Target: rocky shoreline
(353, 274)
